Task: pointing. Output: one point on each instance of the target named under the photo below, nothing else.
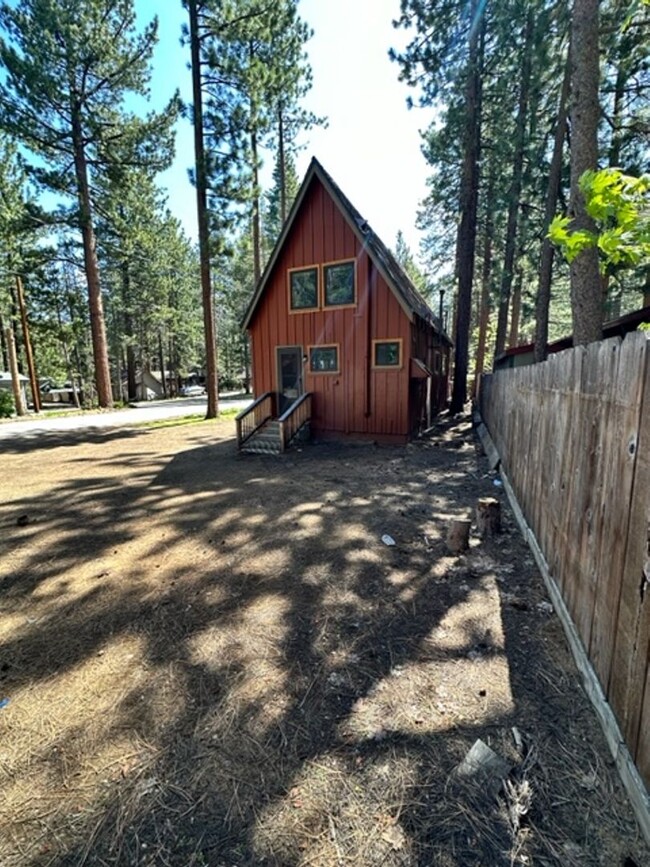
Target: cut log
(488, 516)
(458, 535)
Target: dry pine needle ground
(214, 660)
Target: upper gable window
(303, 289)
(339, 280)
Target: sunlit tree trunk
(543, 301)
(466, 236)
(202, 217)
(586, 296)
(514, 194)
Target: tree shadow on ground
(237, 671)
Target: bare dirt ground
(214, 660)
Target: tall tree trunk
(543, 301)
(3, 345)
(515, 186)
(586, 297)
(172, 367)
(202, 217)
(518, 294)
(13, 369)
(281, 159)
(66, 357)
(257, 232)
(619, 90)
(515, 316)
(161, 361)
(129, 333)
(116, 353)
(131, 379)
(484, 313)
(91, 264)
(466, 236)
(29, 355)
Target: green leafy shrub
(6, 403)
(620, 207)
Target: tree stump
(458, 535)
(488, 517)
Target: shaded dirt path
(214, 660)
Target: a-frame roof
(400, 284)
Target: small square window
(304, 288)
(339, 284)
(324, 359)
(388, 353)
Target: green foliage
(406, 259)
(619, 205)
(254, 72)
(434, 64)
(272, 217)
(234, 287)
(69, 66)
(7, 408)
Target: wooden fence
(573, 435)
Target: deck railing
(254, 416)
(294, 419)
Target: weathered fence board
(574, 439)
(629, 670)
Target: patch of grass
(173, 422)
(194, 418)
(229, 413)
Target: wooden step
(265, 441)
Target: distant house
(337, 325)
(148, 384)
(6, 385)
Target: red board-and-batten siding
(359, 399)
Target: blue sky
(371, 146)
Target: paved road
(155, 410)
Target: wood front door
(289, 376)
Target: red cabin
(342, 342)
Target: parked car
(192, 390)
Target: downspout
(369, 288)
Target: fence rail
(573, 435)
(253, 417)
(296, 416)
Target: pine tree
(69, 65)
(197, 10)
(279, 198)
(448, 48)
(406, 259)
(255, 74)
